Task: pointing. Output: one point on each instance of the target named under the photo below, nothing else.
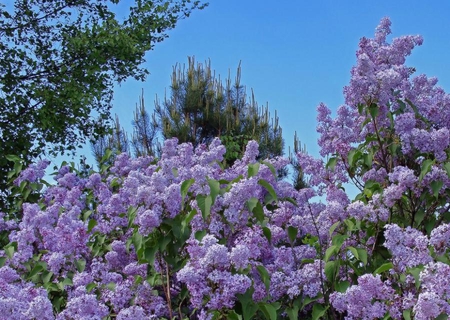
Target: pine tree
(117, 142)
(298, 177)
(200, 107)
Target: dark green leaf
(204, 203)
(271, 167)
(185, 187)
(292, 233)
(265, 277)
(253, 169)
(331, 269)
(268, 310)
(342, 286)
(267, 233)
(330, 252)
(92, 223)
(318, 311)
(426, 167)
(269, 189)
(80, 264)
(436, 186)
(331, 164)
(362, 253)
(385, 267)
(214, 187)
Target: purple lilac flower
(33, 173)
(20, 300)
(366, 300)
(132, 313)
(409, 247)
(84, 307)
(440, 238)
(429, 306)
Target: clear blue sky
(294, 54)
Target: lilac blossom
(409, 247)
(366, 300)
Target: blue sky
(294, 54)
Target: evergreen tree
(117, 142)
(200, 107)
(298, 177)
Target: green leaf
(268, 310)
(426, 167)
(214, 187)
(266, 185)
(436, 186)
(251, 203)
(333, 227)
(249, 308)
(384, 267)
(200, 234)
(258, 211)
(330, 252)
(189, 218)
(368, 159)
(267, 233)
(447, 168)
(271, 167)
(331, 269)
(80, 264)
(416, 274)
(36, 269)
(342, 286)
(91, 224)
(10, 248)
(232, 315)
(373, 110)
(2, 261)
(204, 203)
(292, 233)
(265, 277)
(149, 254)
(12, 158)
(331, 164)
(90, 286)
(354, 252)
(137, 240)
(407, 314)
(339, 239)
(293, 312)
(253, 169)
(362, 253)
(318, 311)
(185, 187)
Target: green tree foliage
(144, 139)
(58, 62)
(117, 142)
(201, 107)
(298, 176)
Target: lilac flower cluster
(366, 300)
(33, 173)
(409, 247)
(208, 274)
(21, 300)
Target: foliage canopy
(59, 61)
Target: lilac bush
(182, 237)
